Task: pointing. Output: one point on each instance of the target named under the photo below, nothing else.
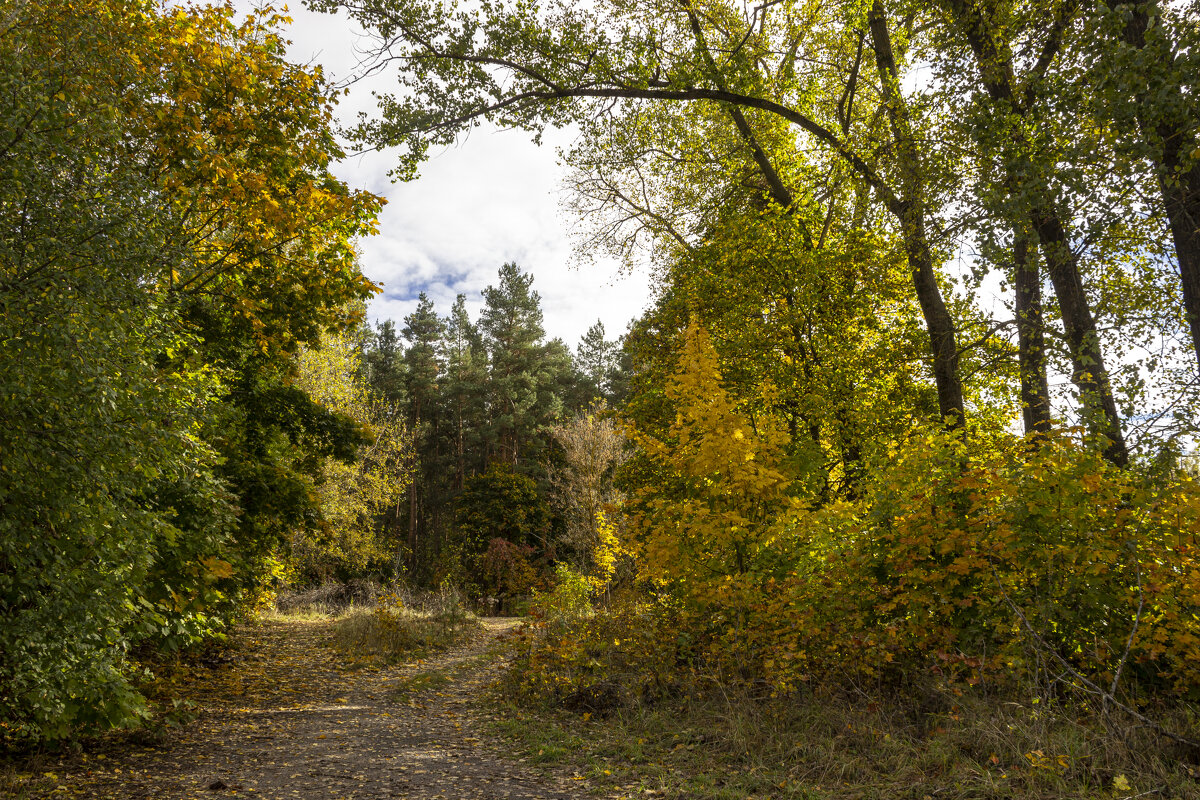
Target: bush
(1000, 567)
(568, 602)
(633, 651)
(507, 568)
(497, 505)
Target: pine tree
(511, 326)
(385, 363)
(464, 394)
(596, 358)
(424, 331)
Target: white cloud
(492, 198)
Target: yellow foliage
(729, 500)
(972, 557)
(217, 568)
(352, 496)
(607, 551)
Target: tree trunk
(939, 323)
(1031, 342)
(414, 481)
(910, 211)
(995, 63)
(1169, 139)
(1087, 361)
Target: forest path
(288, 716)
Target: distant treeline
(481, 400)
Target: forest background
(816, 461)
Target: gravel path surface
(288, 717)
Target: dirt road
(289, 717)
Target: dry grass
(328, 600)
(718, 744)
(402, 624)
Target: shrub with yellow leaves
(969, 556)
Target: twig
(1137, 618)
(1156, 790)
(1086, 683)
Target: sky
(492, 198)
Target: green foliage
(525, 372)
(498, 505)
(501, 504)
(150, 261)
(475, 394)
(80, 347)
(998, 559)
(568, 602)
(354, 496)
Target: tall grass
(401, 623)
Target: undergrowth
(627, 699)
(328, 599)
(720, 745)
(401, 623)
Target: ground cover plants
(629, 699)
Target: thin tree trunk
(412, 528)
(1031, 342)
(412, 496)
(942, 330)
(1087, 360)
(909, 209)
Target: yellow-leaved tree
(725, 499)
(354, 497)
(593, 445)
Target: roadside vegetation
(401, 625)
(624, 698)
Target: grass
(401, 627)
(302, 615)
(376, 623)
(726, 746)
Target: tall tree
(464, 393)
(356, 498)
(153, 269)
(386, 364)
(596, 358)
(564, 63)
(1145, 68)
(424, 331)
(511, 327)
(1027, 162)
